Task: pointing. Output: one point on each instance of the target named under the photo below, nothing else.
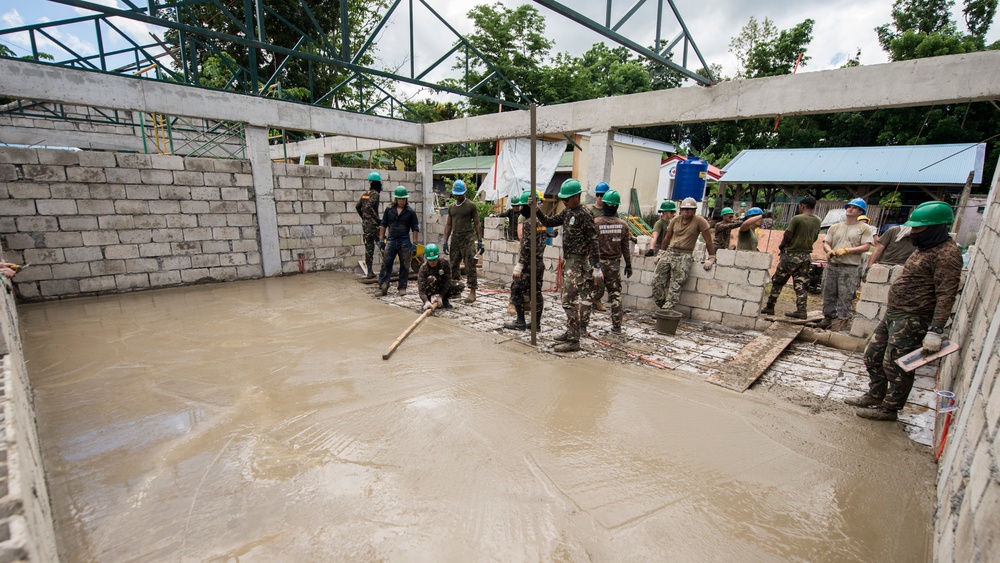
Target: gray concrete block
(753, 260)
(153, 249)
(189, 178)
(36, 224)
(131, 281)
(879, 293)
(14, 155)
(897, 270)
(223, 207)
(166, 162)
(226, 233)
(731, 274)
(746, 292)
(139, 191)
(706, 315)
(758, 277)
(69, 190)
(727, 305)
(56, 206)
(212, 220)
(239, 219)
(739, 321)
(218, 179)
(75, 270)
(160, 279)
(96, 159)
(44, 173)
(725, 257)
(135, 236)
(99, 284)
(199, 164)
(44, 256)
(195, 275)
(752, 308)
(100, 238)
(229, 165)
(19, 241)
(289, 183)
(132, 207)
(245, 245)
(695, 300)
(224, 273)
(60, 157)
(233, 259)
(127, 160)
(196, 207)
(156, 177)
(142, 265)
(215, 246)
(236, 194)
(862, 328)
(205, 193)
(878, 273)
(197, 234)
(19, 207)
(869, 310)
(243, 180)
(78, 223)
(56, 288)
(185, 248)
(175, 192)
(107, 191)
(160, 207)
(168, 235)
(85, 175)
(62, 240)
(8, 173)
(121, 252)
(713, 287)
(29, 190)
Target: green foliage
(979, 16)
(891, 201)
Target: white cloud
(12, 19)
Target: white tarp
(515, 168)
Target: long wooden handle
(407, 332)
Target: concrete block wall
(874, 293)
(317, 217)
(968, 488)
(93, 222)
(43, 115)
(27, 532)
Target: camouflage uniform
(612, 245)
(922, 296)
(840, 286)
(436, 280)
(580, 252)
(723, 234)
(367, 208)
(519, 288)
(793, 265)
(462, 248)
(678, 266)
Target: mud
(256, 421)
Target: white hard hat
(689, 203)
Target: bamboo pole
(407, 332)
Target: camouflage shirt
(434, 280)
(367, 208)
(723, 233)
(579, 232)
(612, 239)
(524, 256)
(929, 283)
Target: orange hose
(633, 354)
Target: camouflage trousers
(370, 234)
(463, 249)
(519, 289)
(840, 286)
(577, 289)
(613, 283)
(671, 272)
(793, 265)
(896, 335)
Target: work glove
(479, 246)
(518, 268)
(628, 271)
(413, 247)
(650, 252)
(437, 300)
(932, 343)
(428, 305)
(841, 251)
(598, 275)
(381, 244)
(709, 262)
(445, 248)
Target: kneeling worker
(434, 280)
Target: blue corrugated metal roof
(908, 164)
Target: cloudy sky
(842, 27)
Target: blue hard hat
(857, 202)
(754, 211)
(602, 188)
(458, 188)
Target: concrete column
(263, 187)
(425, 167)
(599, 161)
(323, 160)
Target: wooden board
(917, 358)
(811, 317)
(741, 371)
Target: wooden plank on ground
(811, 317)
(741, 371)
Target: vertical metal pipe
(413, 70)
(248, 11)
(533, 225)
(345, 32)
(100, 44)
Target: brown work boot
(797, 315)
(511, 309)
(878, 413)
(864, 401)
(471, 297)
(598, 306)
(564, 337)
(568, 346)
(825, 323)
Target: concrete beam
(32, 81)
(86, 140)
(599, 158)
(935, 80)
(332, 145)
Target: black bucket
(667, 320)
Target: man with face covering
(367, 208)
(520, 287)
(919, 304)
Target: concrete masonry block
(97, 284)
(868, 309)
(746, 292)
(14, 207)
(713, 287)
(44, 256)
(189, 178)
(183, 221)
(205, 193)
(706, 315)
(154, 249)
(85, 175)
(156, 177)
(699, 271)
(56, 206)
(149, 221)
(878, 273)
(205, 260)
(168, 235)
(199, 164)
(131, 281)
(44, 173)
(140, 191)
(161, 207)
(243, 180)
(221, 207)
(739, 321)
(222, 179)
(755, 260)
(107, 191)
(230, 165)
(99, 159)
(135, 236)
(132, 207)
(725, 257)
(695, 300)
(185, 248)
(14, 155)
(61, 158)
(689, 284)
(78, 223)
(121, 252)
(166, 162)
(290, 183)
(758, 278)
(62, 240)
(69, 190)
(57, 288)
(897, 270)
(876, 292)
(727, 305)
(100, 238)
(862, 328)
(197, 234)
(141, 265)
(34, 225)
(29, 190)
(751, 308)
(731, 274)
(212, 220)
(8, 173)
(160, 279)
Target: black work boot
(383, 288)
(769, 308)
(825, 323)
(564, 337)
(517, 324)
(445, 303)
(877, 413)
(797, 315)
(568, 346)
(864, 401)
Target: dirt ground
(256, 421)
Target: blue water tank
(690, 178)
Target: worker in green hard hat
(399, 223)
(434, 280)
(465, 232)
(581, 266)
(723, 230)
(520, 287)
(367, 208)
(668, 210)
(613, 248)
(845, 245)
(918, 307)
(597, 210)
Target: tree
(921, 16)
(752, 34)
(979, 16)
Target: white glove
(709, 262)
(598, 275)
(932, 343)
(428, 305)
(518, 268)
(436, 300)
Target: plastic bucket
(666, 321)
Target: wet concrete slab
(256, 421)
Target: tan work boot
(598, 306)
(568, 346)
(511, 310)
(471, 297)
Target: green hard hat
(431, 251)
(374, 177)
(727, 211)
(931, 213)
(570, 188)
(612, 198)
(668, 206)
(400, 193)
